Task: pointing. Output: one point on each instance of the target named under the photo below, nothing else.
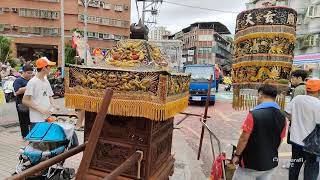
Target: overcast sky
(175, 17)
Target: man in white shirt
(38, 94)
(304, 112)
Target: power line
(202, 8)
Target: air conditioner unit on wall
(106, 5)
(15, 10)
(6, 9)
(118, 8)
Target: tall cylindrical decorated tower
(264, 44)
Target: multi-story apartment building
(34, 25)
(260, 3)
(206, 43)
(172, 50)
(307, 51)
(158, 34)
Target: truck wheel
(212, 103)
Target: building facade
(206, 43)
(158, 34)
(261, 3)
(34, 25)
(307, 51)
(172, 50)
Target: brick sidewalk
(186, 165)
(11, 142)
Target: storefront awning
(307, 59)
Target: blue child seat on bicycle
(45, 131)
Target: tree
(5, 48)
(70, 53)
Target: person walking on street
(4, 73)
(217, 75)
(38, 94)
(304, 113)
(262, 133)
(19, 86)
(298, 78)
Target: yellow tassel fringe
(247, 102)
(262, 63)
(131, 108)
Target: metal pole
(85, 16)
(143, 12)
(62, 37)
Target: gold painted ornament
(264, 45)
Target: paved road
(224, 122)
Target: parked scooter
(8, 88)
(228, 82)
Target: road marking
(192, 131)
(224, 117)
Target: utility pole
(62, 37)
(85, 16)
(149, 6)
(143, 11)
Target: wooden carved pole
(94, 135)
(205, 116)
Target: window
(106, 36)
(117, 37)
(100, 35)
(282, 3)
(105, 5)
(14, 10)
(94, 3)
(1, 10)
(310, 41)
(124, 24)
(118, 8)
(6, 9)
(300, 19)
(313, 11)
(24, 29)
(104, 21)
(37, 13)
(36, 30)
(92, 35)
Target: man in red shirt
(263, 131)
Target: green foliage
(70, 53)
(77, 30)
(5, 48)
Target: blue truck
(200, 75)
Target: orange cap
(43, 62)
(313, 85)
